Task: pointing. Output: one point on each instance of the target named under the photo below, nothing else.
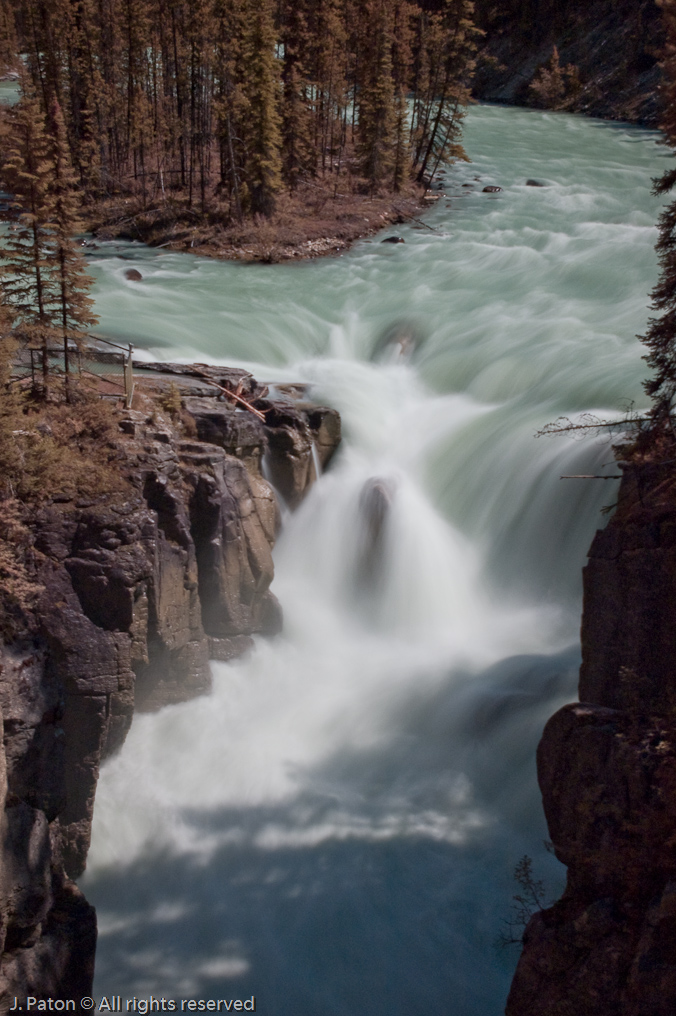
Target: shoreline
(307, 225)
(316, 221)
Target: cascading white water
(334, 829)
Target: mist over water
(335, 828)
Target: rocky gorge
(361, 786)
(607, 772)
(137, 590)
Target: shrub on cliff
(57, 451)
(49, 450)
(661, 335)
(553, 84)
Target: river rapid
(334, 829)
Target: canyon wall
(615, 45)
(607, 771)
(136, 591)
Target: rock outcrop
(607, 771)
(137, 590)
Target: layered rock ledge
(607, 771)
(137, 591)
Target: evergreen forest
(222, 105)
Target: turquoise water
(334, 829)
(9, 92)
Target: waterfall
(335, 828)
(316, 461)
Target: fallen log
(234, 395)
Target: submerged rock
(375, 503)
(399, 340)
(535, 183)
(393, 239)
(133, 275)
(491, 189)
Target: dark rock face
(607, 771)
(299, 439)
(234, 523)
(628, 629)
(239, 433)
(285, 441)
(138, 591)
(614, 44)
(47, 928)
(325, 430)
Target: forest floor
(316, 220)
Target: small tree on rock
(553, 84)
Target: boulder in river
(400, 339)
(491, 189)
(133, 275)
(535, 183)
(393, 239)
(375, 503)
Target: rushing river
(334, 829)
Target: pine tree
(661, 335)
(7, 351)
(327, 64)
(50, 26)
(27, 174)
(232, 99)
(553, 83)
(8, 40)
(377, 113)
(298, 148)
(45, 280)
(231, 105)
(138, 132)
(404, 13)
(10, 459)
(264, 162)
(70, 282)
(450, 40)
(200, 30)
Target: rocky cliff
(607, 771)
(614, 44)
(134, 592)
